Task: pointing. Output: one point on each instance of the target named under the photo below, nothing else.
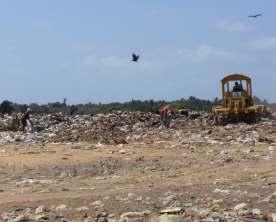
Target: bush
(6, 107)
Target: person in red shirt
(165, 116)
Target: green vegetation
(192, 103)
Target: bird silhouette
(135, 57)
(255, 16)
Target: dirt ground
(72, 183)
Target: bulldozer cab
(236, 91)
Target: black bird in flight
(255, 16)
(135, 57)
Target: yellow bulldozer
(237, 102)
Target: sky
(81, 50)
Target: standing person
(26, 119)
(15, 125)
(165, 116)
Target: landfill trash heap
(124, 127)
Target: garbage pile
(124, 127)
(107, 129)
(110, 128)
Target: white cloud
(63, 66)
(12, 48)
(206, 53)
(42, 25)
(113, 62)
(232, 26)
(77, 46)
(264, 44)
(154, 12)
(82, 46)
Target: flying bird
(255, 16)
(135, 57)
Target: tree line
(192, 103)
